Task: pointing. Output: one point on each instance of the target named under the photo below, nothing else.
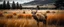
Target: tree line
(8, 6)
(58, 3)
(13, 6)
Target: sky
(20, 1)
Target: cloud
(20, 1)
(39, 0)
(1, 0)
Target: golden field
(16, 18)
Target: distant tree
(4, 5)
(13, 5)
(17, 5)
(0, 6)
(38, 7)
(8, 5)
(59, 3)
(20, 6)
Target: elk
(40, 18)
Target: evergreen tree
(1, 6)
(8, 5)
(13, 5)
(59, 3)
(4, 5)
(17, 5)
(20, 6)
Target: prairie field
(16, 18)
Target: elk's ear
(37, 14)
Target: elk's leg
(38, 23)
(44, 22)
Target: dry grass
(27, 20)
